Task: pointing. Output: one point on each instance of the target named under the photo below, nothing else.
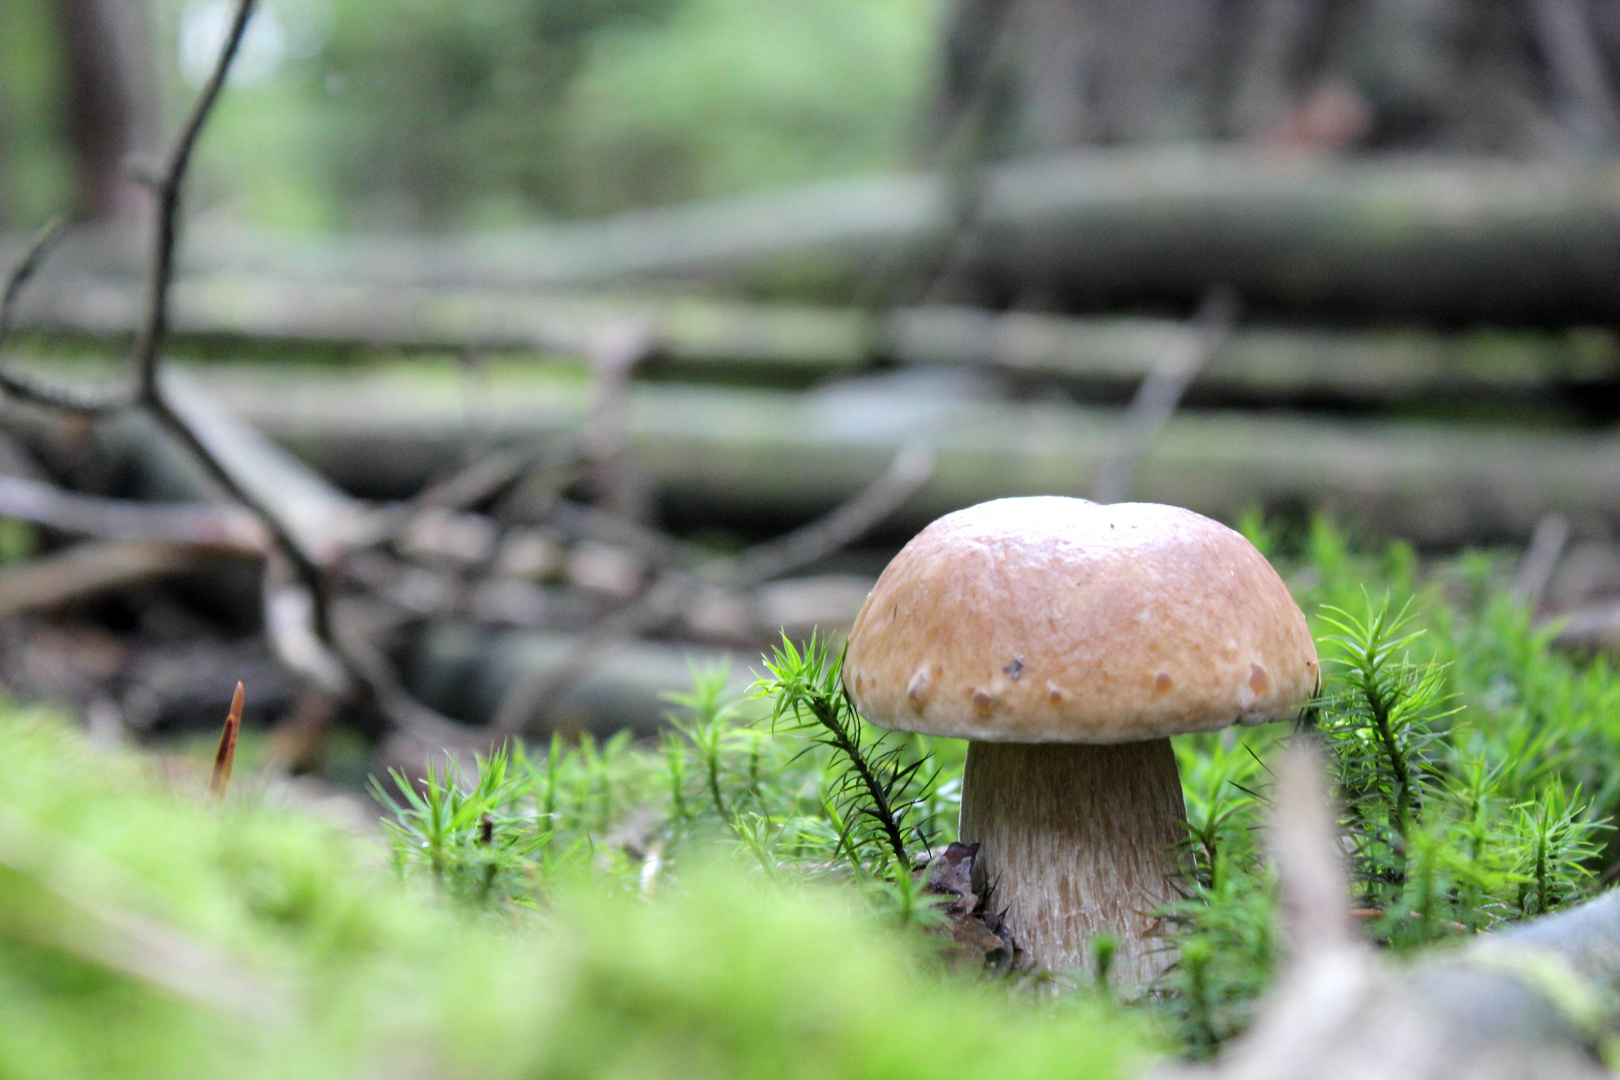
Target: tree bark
(111, 96)
(782, 344)
(1489, 76)
(1432, 238)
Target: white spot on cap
(917, 689)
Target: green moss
(145, 932)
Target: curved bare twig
(46, 239)
(149, 342)
(1160, 393)
(533, 695)
(32, 388)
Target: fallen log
(1381, 235)
(322, 521)
(700, 336)
(203, 525)
(761, 456)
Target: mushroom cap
(1061, 620)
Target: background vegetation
(357, 114)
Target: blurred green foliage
(35, 169)
(147, 933)
(492, 113)
(730, 95)
(442, 104)
(1475, 769)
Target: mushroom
(1067, 640)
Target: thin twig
(150, 340)
(1575, 59)
(206, 525)
(905, 476)
(83, 400)
(485, 478)
(662, 550)
(534, 694)
(538, 492)
(616, 350)
(410, 716)
(482, 479)
(46, 239)
(1160, 393)
(1535, 572)
(31, 388)
(152, 395)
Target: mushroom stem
(1077, 839)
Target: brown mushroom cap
(1061, 620)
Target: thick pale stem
(1075, 840)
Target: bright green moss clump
(146, 933)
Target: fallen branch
(467, 672)
(532, 696)
(91, 568)
(316, 520)
(1591, 629)
(1160, 392)
(208, 526)
(616, 351)
(1535, 573)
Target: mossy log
(1428, 237)
(770, 457)
(781, 342)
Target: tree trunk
(1495, 76)
(110, 92)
